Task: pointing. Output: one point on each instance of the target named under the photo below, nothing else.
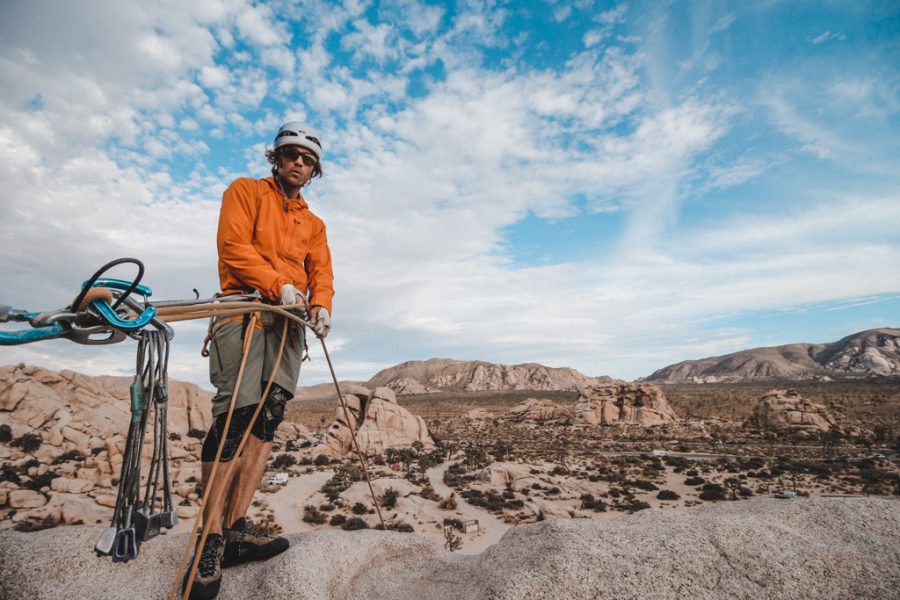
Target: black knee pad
(240, 419)
(272, 413)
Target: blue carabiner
(106, 311)
(120, 284)
(139, 322)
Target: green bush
(354, 524)
(712, 492)
(389, 498)
(28, 442)
(337, 520)
(313, 516)
(283, 461)
(667, 495)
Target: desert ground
(488, 468)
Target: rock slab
(764, 548)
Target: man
(270, 242)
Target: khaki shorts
(226, 351)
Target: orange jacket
(262, 246)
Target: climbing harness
(106, 311)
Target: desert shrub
(5, 433)
(553, 490)
(643, 484)
(312, 515)
(451, 479)
(448, 503)
(349, 472)
(321, 460)
(29, 525)
(712, 492)
(198, 434)
(589, 502)
(28, 442)
(667, 495)
(402, 527)
(283, 461)
(508, 494)
(9, 473)
(359, 509)
(40, 481)
(745, 492)
(354, 524)
(73, 455)
(389, 498)
(694, 481)
(428, 493)
(615, 492)
(536, 486)
(326, 507)
(514, 504)
(636, 505)
(693, 473)
(559, 470)
(337, 520)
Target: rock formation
(875, 352)
(624, 403)
(65, 438)
(445, 375)
(539, 410)
(766, 548)
(378, 422)
(786, 412)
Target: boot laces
(209, 558)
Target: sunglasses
(292, 154)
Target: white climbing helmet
(295, 133)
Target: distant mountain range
(866, 354)
(871, 353)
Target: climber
(269, 242)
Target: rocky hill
(875, 352)
(447, 375)
(802, 548)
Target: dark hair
(274, 155)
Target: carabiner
(111, 317)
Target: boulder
(377, 421)
(623, 403)
(539, 410)
(786, 412)
(26, 499)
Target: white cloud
(827, 36)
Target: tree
(452, 542)
(734, 484)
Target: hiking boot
(209, 569)
(244, 543)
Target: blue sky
(611, 186)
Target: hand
(321, 320)
(291, 295)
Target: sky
(608, 186)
